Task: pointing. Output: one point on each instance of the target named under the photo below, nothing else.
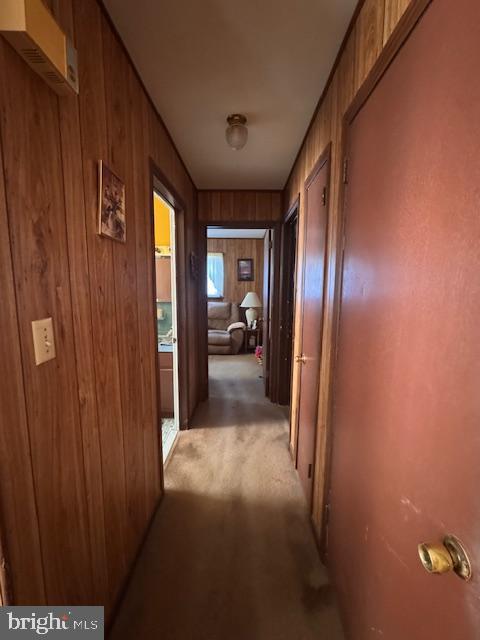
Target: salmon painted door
(315, 238)
(406, 418)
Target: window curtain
(215, 275)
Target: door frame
(160, 183)
(6, 597)
(288, 268)
(323, 158)
(203, 298)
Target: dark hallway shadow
(216, 568)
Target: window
(215, 275)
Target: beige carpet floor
(231, 555)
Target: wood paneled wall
(370, 32)
(234, 249)
(239, 206)
(80, 465)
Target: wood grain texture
(82, 431)
(236, 206)
(100, 253)
(163, 276)
(368, 38)
(233, 249)
(361, 50)
(146, 304)
(20, 532)
(83, 331)
(36, 213)
(165, 365)
(394, 10)
(120, 143)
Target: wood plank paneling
(18, 505)
(100, 254)
(36, 213)
(120, 143)
(368, 38)
(146, 304)
(83, 330)
(234, 249)
(371, 30)
(80, 464)
(238, 206)
(394, 10)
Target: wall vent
(52, 78)
(33, 32)
(33, 56)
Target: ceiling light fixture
(236, 133)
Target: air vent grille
(33, 32)
(51, 76)
(33, 56)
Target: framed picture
(245, 269)
(111, 206)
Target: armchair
(225, 331)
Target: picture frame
(111, 204)
(245, 271)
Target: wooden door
(406, 427)
(315, 239)
(163, 275)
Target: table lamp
(252, 302)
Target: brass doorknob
(301, 359)
(435, 558)
(446, 556)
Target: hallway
(231, 553)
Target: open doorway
(166, 320)
(237, 298)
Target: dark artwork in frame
(245, 269)
(111, 205)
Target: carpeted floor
(231, 554)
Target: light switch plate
(43, 340)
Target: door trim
(6, 596)
(323, 158)
(160, 183)
(287, 270)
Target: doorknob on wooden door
(301, 359)
(446, 556)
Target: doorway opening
(166, 320)
(238, 299)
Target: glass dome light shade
(236, 133)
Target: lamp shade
(251, 301)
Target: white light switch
(43, 340)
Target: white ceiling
(217, 232)
(201, 60)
